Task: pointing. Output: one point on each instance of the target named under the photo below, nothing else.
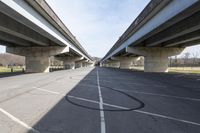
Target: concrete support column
(69, 64)
(37, 58)
(156, 59)
(155, 63)
(125, 62)
(78, 64)
(113, 64)
(84, 64)
(37, 64)
(81, 63)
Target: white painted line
(18, 121)
(93, 101)
(162, 95)
(139, 111)
(103, 125)
(53, 92)
(83, 99)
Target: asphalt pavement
(100, 100)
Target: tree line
(7, 60)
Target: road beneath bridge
(100, 100)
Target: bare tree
(186, 57)
(11, 60)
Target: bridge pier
(125, 62)
(81, 63)
(113, 63)
(155, 59)
(70, 62)
(37, 58)
(78, 64)
(37, 64)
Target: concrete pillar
(154, 63)
(156, 59)
(69, 62)
(78, 64)
(81, 63)
(113, 64)
(125, 62)
(37, 58)
(37, 64)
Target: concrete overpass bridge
(163, 29)
(31, 28)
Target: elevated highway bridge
(163, 29)
(32, 29)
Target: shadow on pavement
(3, 75)
(72, 115)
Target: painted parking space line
(162, 95)
(93, 101)
(139, 111)
(83, 99)
(53, 92)
(13, 118)
(103, 125)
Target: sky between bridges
(98, 24)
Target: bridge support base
(156, 59)
(37, 64)
(81, 63)
(70, 62)
(125, 62)
(78, 64)
(113, 64)
(37, 58)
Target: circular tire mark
(141, 104)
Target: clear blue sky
(97, 24)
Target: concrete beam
(156, 59)
(23, 12)
(186, 26)
(13, 41)
(14, 28)
(183, 39)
